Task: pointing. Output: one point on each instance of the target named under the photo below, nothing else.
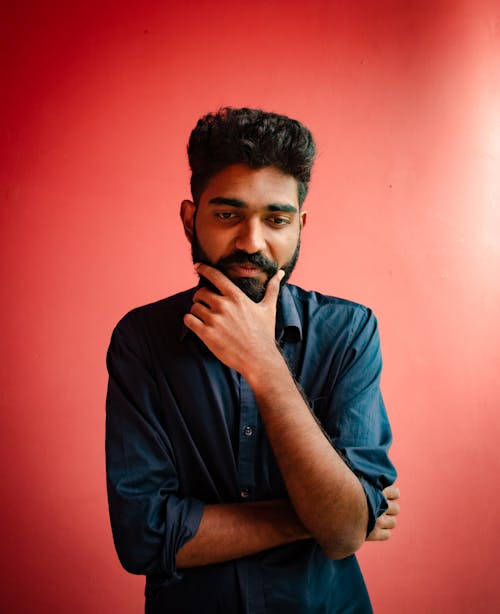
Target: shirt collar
(288, 324)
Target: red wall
(98, 102)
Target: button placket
(247, 440)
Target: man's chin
(251, 286)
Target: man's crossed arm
(232, 530)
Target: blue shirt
(184, 430)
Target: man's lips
(244, 270)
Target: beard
(254, 288)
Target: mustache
(256, 259)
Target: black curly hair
(252, 137)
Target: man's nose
(250, 237)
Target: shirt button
(248, 431)
(244, 493)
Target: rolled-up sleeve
(357, 420)
(150, 519)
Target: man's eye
(279, 221)
(225, 215)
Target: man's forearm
(232, 530)
(325, 493)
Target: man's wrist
(269, 365)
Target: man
(246, 434)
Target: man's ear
(303, 219)
(188, 209)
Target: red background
(98, 102)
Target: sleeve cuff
(183, 517)
(377, 503)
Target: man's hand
(237, 330)
(387, 522)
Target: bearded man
(247, 439)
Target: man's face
(247, 224)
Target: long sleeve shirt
(183, 430)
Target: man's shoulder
(328, 317)
(166, 311)
(312, 300)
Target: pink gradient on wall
(403, 215)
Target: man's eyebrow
(282, 207)
(234, 202)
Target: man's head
(252, 137)
(250, 175)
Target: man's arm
(229, 531)
(325, 493)
(233, 530)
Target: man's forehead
(239, 185)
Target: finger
(273, 288)
(200, 311)
(379, 535)
(383, 535)
(391, 492)
(386, 522)
(219, 280)
(206, 297)
(393, 509)
(193, 323)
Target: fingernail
(196, 266)
(281, 274)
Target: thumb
(273, 288)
